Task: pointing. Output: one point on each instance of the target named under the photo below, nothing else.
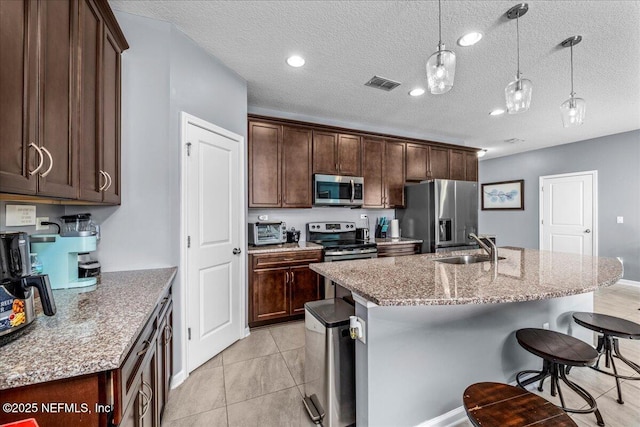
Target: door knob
(587, 231)
(236, 251)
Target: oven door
(335, 190)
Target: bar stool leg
(632, 365)
(586, 396)
(615, 371)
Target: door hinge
(188, 148)
(542, 221)
(189, 332)
(188, 241)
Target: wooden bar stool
(611, 329)
(502, 405)
(558, 351)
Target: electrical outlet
(363, 216)
(39, 225)
(620, 220)
(545, 325)
(263, 217)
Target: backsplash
(298, 218)
(53, 212)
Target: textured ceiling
(347, 42)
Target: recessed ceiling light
(417, 92)
(470, 39)
(295, 61)
(497, 112)
(481, 153)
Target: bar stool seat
(558, 351)
(611, 328)
(501, 405)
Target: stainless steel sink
(466, 259)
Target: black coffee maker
(16, 282)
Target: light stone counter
(524, 275)
(90, 332)
(284, 247)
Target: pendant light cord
(518, 42)
(572, 92)
(439, 25)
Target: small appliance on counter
(293, 235)
(16, 280)
(362, 234)
(267, 233)
(59, 252)
(88, 267)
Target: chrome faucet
(491, 250)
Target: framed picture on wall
(505, 195)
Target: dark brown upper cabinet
(383, 165)
(471, 166)
(336, 153)
(457, 165)
(37, 143)
(438, 162)
(417, 162)
(45, 77)
(279, 166)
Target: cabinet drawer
(280, 259)
(129, 373)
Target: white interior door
(568, 213)
(214, 219)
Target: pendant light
(441, 66)
(572, 109)
(518, 92)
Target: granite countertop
(399, 241)
(284, 247)
(90, 332)
(524, 275)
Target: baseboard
(449, 419)
(628, 282)
(178, 379)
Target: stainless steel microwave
(267, 233)
(336, 190)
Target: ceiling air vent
(514, 140)
(382, 83)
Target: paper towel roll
(395, 229)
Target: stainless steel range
(340, 244)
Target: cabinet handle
(287, 259)
(110, 181)
(40, 156)
(293, 277)
(336, 166)
(50, 162)
(106, 181)
(145, 405)
(146, 384)
(286, 277)
(147, 344)
(167, 339)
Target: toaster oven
(267, 233)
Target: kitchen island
(433, 328)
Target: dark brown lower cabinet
(400, 249)
(134, 395)
(280, 284)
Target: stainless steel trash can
(329, 374)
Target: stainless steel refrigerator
(442, 213)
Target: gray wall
(163, 73)
(617, 160)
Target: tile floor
(258, 380)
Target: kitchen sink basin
(466, 259)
